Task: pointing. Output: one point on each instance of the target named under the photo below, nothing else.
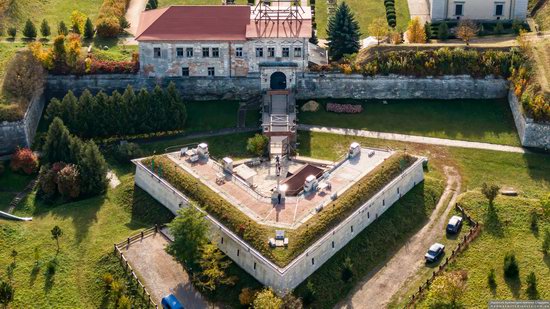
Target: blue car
(171, 302)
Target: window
(179, 52)
(271, 51)
(239, 52)
(286, 52)
(333, 245)
(156, 52)
(297, 52)
(352, 228)
(254, 265)
(397, 190)
(312, 261)
(383, 202)
(211, 71)
(222, 240)
(206, 52)
(499, 8)
(215, 52)
(459, 8)
(184, 71)
(189, 52)
(238, 252)
(259, 52)
(368, 215)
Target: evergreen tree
(30, 30)
(12, 32)
(59, 52)
(88, 29)
(56, 146)
(443, 31)
(151, 5)
(93, 170)
(86, 113)
(343, 33)
(130, 107)
(62, 28)
(428, 30)
(45, 29)
(76, 28)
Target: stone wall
(357, 86)
(531, 134)
(286, 278)
(309, 86)
(21, 133)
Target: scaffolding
(278, 11)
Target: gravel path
(132, 14)
(412, 138)
(378, 287)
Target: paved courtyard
(295, 210)
(161, 274)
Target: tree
(257, 145)
(6, 293)
(68, 181)
(213, 264)
(490, 191)
(75, 28)
(443, 31)
(531, 289)
(510, 267)
(88, 29)
(24, 76)
(45, 29)
(12, 32)
(310, 294)
(247, 296)
(59, 52)
(466, 30)
(347, 270)
(74, 47)
(56, 147)
(291, 302)
(56, 234)
(343, 33)
(29, 31)
(416, 32)
(190, 230)
(447, 289)
(266, 299)
(62, 29)
(93, 170)
(379, 29)
(151, 5)
(78, 20)
(24, 160)
(428, 30)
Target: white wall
(478, 9)
(287, 278)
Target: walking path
(132, 14)
(378, 287)
(412, 138)
(420, 9)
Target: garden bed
(256, 234)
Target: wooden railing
(461, 246)
(142, 290)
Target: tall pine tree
(343, 33)
(93, 170)
(57, 144)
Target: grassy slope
(541, 54)
(53, 11)
(7, 51)
(11, 183)
(472, 120)
(543, 17)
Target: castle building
(228, 41)
(478, 9)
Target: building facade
(227, 41)
(478, 9)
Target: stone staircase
(22, 195)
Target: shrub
(466, 30)
(344, 108)
(12, 32)
(247, 296)
(443, 31)
(30, 30)
(499, 28)
(415, 31)
(24, 160)
(347, 270)
(517, 26)
(151, 5)
(68, 182)
(531, 289)
(511, 268)
(125, 152)
(310, 293)
(257, 145)
(266, 299)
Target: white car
(454, 224)
(435, 251)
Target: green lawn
(506, 229)
(211, 115)
(488, 121)
(115, 52)
(11, 183)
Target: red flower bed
(113, 67)
(344, 108)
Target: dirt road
(378, 287)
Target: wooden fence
(461, 246)
(142, 290)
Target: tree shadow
(146, 211)
(493, 225)
(34, 273)
(49, 275)
(538, 164)
(514, 284)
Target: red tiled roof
(194, 23)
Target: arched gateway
(278, 81)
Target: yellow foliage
(44, 56)
(415, 31)
(78, 18)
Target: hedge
(257, 235)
